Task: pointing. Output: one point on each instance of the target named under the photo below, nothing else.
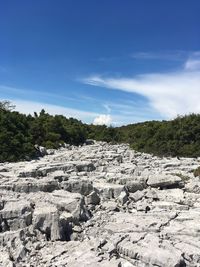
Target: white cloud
(102, 120)
(171, 94)
(29, 107)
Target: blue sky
(108, 61)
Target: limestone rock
(108, 191)
(84, 187)
(99, 205)
(93, 198)
(193, 186)
(164, 181)
(46, 219)
(15, 215)
(122, 198)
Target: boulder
(70, 202)
(133, 184)
(122, 198)
(89, 142)
(193, 186)
(164, 181)
(85, 166)
(107, 190)
(138, 195)
(15, 215)
(93, 198)
(46, 219)
(81, 186)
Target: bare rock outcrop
(100, 205)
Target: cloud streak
(111, 114)
(29, 107)
(169, 55)
(18, 92)
(171, 94)
(192, 64)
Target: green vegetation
(19, 133)
(103, 133)
(6, 105)
(178, 137)
(197, 172)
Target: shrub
(197, 172)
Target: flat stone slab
(162, 180)
(138, 222)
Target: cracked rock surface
(100, 205)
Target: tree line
(19, 133)
(177, 137)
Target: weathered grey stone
(99, 205)
(46, 219)
(93, 198)
(193, 186)
(5, 259)
(133, 184)
(33, 185)
(138, 195)
(15, 215)
(108, 191)
(164, 181)
(89, 142)
(152, 252)
(82, 186)
(60, 176)
(122, 198)
(70, 202)
(85, 166)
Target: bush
(197, 172)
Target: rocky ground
(100, 205)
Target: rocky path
(100, 205)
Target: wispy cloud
(107, 107)
(175, 55)
(110, 114)
(133, 109)
(29, 107)
(178, 55)
(192, 64)
(27, 93)
(170, 93)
